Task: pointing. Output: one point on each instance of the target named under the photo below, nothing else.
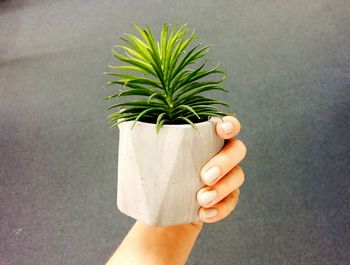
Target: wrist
(168, 244)
(146, 244)
(192, 228)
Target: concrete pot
(159, 174)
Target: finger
(221, 209)
(229, 128)
(210, 195)
(230, 155)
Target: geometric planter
(159, 174)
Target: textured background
(290, 87)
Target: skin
(171, 245)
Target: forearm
(149, 245)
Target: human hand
(222, 175)
(159, 244)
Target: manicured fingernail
(209, 213)
(210, 175)
(227, 127)
(207, 196)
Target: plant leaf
(141, 114)
(186, 107)
(197, 90)
(141, 64)
(128, 67)
(188, 121)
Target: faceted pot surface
(159, 174)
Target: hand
(146, 244)
(222, 175)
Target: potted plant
(168, 132)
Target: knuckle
(240, 173)
(239, 170)
(229, 205)
(242, 147)
(224, 209)
(228, 208)
(226, 159)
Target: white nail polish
(209, 213)
(211, 174)
(207, 196)
(227, 127)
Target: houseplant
(168, 134)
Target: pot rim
(199, 124)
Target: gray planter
(159, 174)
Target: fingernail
(207, 196)
(209, 213)
(210, 175)
(227, 127)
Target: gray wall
(290, 87)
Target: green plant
(171, 88)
